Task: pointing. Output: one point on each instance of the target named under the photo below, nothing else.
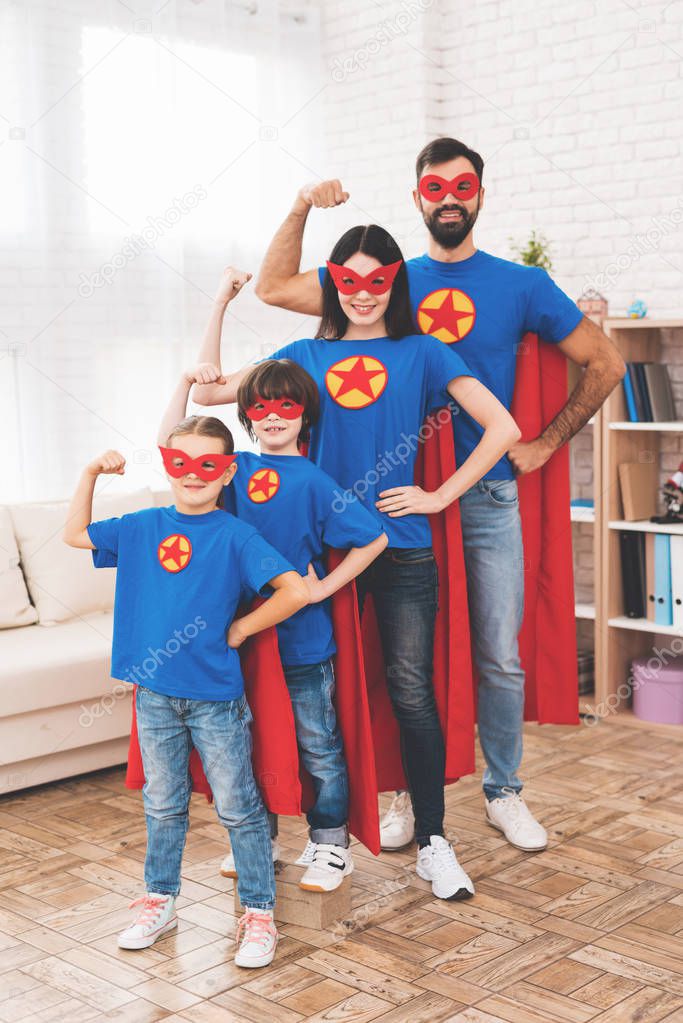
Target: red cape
(547, 638)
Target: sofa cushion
(15, 604)
(62, 581)
(44, 668)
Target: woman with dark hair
(378, 378)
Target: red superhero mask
(286, 408)
(208, 467)
(377, 282)
(434, 188)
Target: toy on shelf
(672, 492)
(593, 305)
(637, 310)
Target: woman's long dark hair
(372, 240)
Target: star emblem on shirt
(448, 314)
(174, 552)
(356, 381)
(263, 484)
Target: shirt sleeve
(322, 270)
(105, 536)
(550, 313)
(346, 523)
(443, 365)
(259, 563)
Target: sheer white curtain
(142, 152)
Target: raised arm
(79, 516)
(280, 281)
(289, 596)
(223, 390)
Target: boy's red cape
(547, 638)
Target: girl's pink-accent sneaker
(155, 918)
(257, 937)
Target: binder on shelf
(650, 576)
(637, 395)
(663, 610)
(660, 393)
(638, 483)
(632, 573)
(630, 399)
(677, 580)
(642, 388)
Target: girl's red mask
(286, 408)
(173, 456)
(377, 282)
(435, 188)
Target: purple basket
(658, 690)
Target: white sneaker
(155, 918)
(228, 865)
(512, 816)
(438, 863)
(307, 855)
(257, 938)
(397, 826)
(331, 864)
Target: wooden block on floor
(318, 910)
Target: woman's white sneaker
(228, 865)
(438, 863)
(157, 915)
(257, 938)
(512, 816)
(397, 826)
(331, 864)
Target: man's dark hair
(371, 240)
(444, 149)
(279, 378)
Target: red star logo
(263, 484)
(174, 552)
(448, 314)
(356, 381)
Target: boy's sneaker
(156, 916)
(331, 864)
(228, 865)
(511, 815)
(307, 855)
(438, 863)
(256, 937)
(397, 826)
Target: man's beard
(450, 234)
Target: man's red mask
(377, 282)
(435, 188)
(208, 467)
(286, 408)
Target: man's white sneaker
(438, 863)
(156, 916)
(307, 855)
(397, 826)
(228, 864)
(331, 864)
(512, 816)
(256, 937)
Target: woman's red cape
(547, 638)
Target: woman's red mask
(208, 467)
(435, 188)
(286, 408)
(377, 282)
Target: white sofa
(61, 713)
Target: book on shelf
(632, 550)
(638, 485)
(648, 393)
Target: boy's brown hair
(280, 378)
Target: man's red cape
(547, 638)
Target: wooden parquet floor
(591, 929)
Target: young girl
(377, 380)
(291, 503)
(181, 573)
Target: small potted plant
(534, 252)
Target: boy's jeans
(311, 690)
(168, 727)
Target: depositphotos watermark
(140, 673)
(144, 241)
(648, 673)
(386, 31)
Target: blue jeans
(494, 560)
(168, 727)
(404, 586)
(311, 690)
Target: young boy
(182, 571)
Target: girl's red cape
(547, 638)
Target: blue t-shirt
(179, 581)
(292, 504)
(374, 396)
(484, 306)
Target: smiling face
(363, 307)
(191, 493)
(275, 432)
(450, 218)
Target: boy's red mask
(286, 408)
(172, 456)
(377, 282)
(434, 187)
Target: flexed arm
(223, 390)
